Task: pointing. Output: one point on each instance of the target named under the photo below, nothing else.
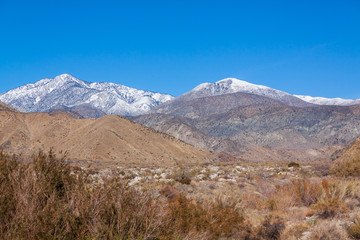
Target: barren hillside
(108, 140)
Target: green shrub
(294, 164)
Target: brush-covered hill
(107, 140)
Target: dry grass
(354, 229)
(299, 192)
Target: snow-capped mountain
(328, 101)
(68, 91)
(233, 85)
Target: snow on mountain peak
(65, 76)
(201, 86)
(68, 91)
(234, 81)
(233, 85)
(228, 85)
(328, 101)
(237, 85)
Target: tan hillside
(347, 161)
(350, 152)
(108, 140)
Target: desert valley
(226, 160)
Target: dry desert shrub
(299, 192)
(327, 198)
(41, 199)
(294, 231)
(44, 199)
(347, 167)
(252, 200)
(354, 229)
(219, 219)
(331, 200)
(271, 227)
(328, 230)
(182, 174)
(328, 208)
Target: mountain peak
(229, 85)
(65, 77)
(233, 81)
(234, 85)
(67, 91)
(237, 83)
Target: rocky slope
(108, 140)
(68, 91)
(242, 122)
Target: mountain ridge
(241, 122)
(95, 99)
(233, 85)
(66, 90)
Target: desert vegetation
(44, 197)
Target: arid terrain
(177, 190)
(110, 140)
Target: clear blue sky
(302, 47)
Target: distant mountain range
(93, 100)
(226, 116)
(241, 121)
(328, 101)
(68, 92)
(236, 116)
(233, 85)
